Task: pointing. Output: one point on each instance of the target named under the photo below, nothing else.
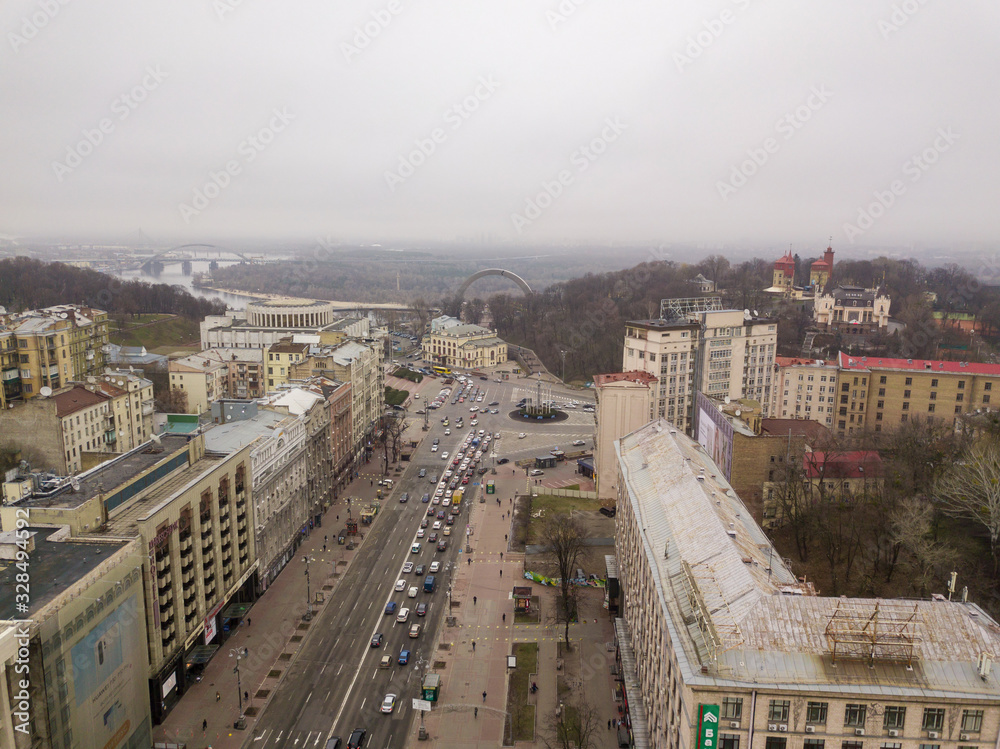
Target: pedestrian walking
(204, 725)
(501, 556)
(474, 599)
(246, 652)
(473, 646)
(475, 712)
(217, 696)
(469, 560)
(501, 573)
(249, 621)
(505, 618)
(504, 536)
(246, 696)
(484, 695)
(609, 724)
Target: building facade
(783, 278)
(821, 271)
(806, 389)
(725, 643)
(132, 406)
(698, 347)
(264, 323)
(281, 357)
(624, 403)
(202, 377)
(852, 311)
(451, 343)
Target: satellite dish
(755, 314)
(746, 312)
(738, 412)
(75, 483)
(156, 439)
(45, 391)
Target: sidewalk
(467, 671)
(271, 633)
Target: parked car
(536, 472)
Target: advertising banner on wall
(708, 726)
(715, 434)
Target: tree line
(27, 284)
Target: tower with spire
(784, 272)
(821, 270)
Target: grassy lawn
(395, 397)
(408, 374)
(521, 723)
(534, 613)
(554, 506)
(172, 331)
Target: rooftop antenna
(951, 584)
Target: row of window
(855, 715)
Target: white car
(420, 534)
(447, 432)
(388, 703)
(474, 409)
(482, 432)
(444, 455)
(415, 549)
(435, 567)
(537, 472)
(403, 615)
(521, 436)
(434, 448)
(437, 525)
(412, 592)
(445, 502)
(400, 585)
(408, 566)
(474, 422)
(578, 443)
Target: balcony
(148, 408)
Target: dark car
(421, 609)
(333, 742)
(404, 654)
(390, 608)
(426, 498)
(503, 461)
(404, 497)
(494, 403)
(423, 472)
(420, 569)
(442, 544)
(440, 515)
(432, 538)
(424, 523)
(484, 378)
(377, 640)
(450, 520)
(357, 738)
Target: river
(174, 276)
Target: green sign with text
(708, 726)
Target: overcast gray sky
(733, 121)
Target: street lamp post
(238, 655)
(309, 613)
(562, 353)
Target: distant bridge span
(493, 272)
(202, 245)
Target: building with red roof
(821, 270)
(784, 272)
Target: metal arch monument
(493, 272)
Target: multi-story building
(277, 453)
(624, 403)
(265, 322)
(806, 389)
(132, 405)
(202, 377)
(189, 510)
(852, 311)
(244, 372)
(67, 432)
(311, 407)
(821, 270)
(720, 642)
(281, 357)
(83, 639)
(695, 347)
(880, 393)
(784, 274)
(55, 346)
(451, 343)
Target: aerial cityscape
(538, 375)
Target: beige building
(202, 377)
(132, 405)
(265, 322)
(189, 511)
(280, 359)
(717, 634)
(696, 346)
(54, 346)
(624, 403)
(85, 644)
(451, 343)
(852, 311)
(806, 389)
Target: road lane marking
(309, 696)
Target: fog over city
(576, 121)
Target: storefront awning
(235, 610)
(201, 654)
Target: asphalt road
(336, 683)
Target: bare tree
(174, 401)
(971, 490)
(564, 536)
(925, 561)
(575, 725)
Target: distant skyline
(736, 126)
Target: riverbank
(337, 304)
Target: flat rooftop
(55, 566)
(109, 476)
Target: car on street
(377, 640)
(400, 585)
(423, 472)
(578, 443)
(390, 608)
(450, 521)
(357, 739)
(536, 472)
(447, 432)
(432, 538)
(442, 545)
(404, 654)
(434, 448)
(420, 532)
(421, 609)
(474, 422)
(415, 549)
(503, 461)
(403, 615)
(444, 455)
(437, 525)
(494, 410)
(407, 567)
(440, 515)
(436, 441)
(474, 409)
(521, 436)
(424, 523)
(420, 569)
(435, 567)
(446, 531)
(388, 703)
(404, 497)
(494, 403)
(426, 498)
(412, 592)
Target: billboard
(715, 434)
(708, 726)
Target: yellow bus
(441, 370)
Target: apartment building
(132, 406)
(624, 402)
(806, 389)
(696, 346)
(244, 372)
(277, 454)
(54, 346)
(880, 393)
(281, 357)
(452, 343)
(202, 377)
(719, 644)
(85, 642)
(189, 511)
